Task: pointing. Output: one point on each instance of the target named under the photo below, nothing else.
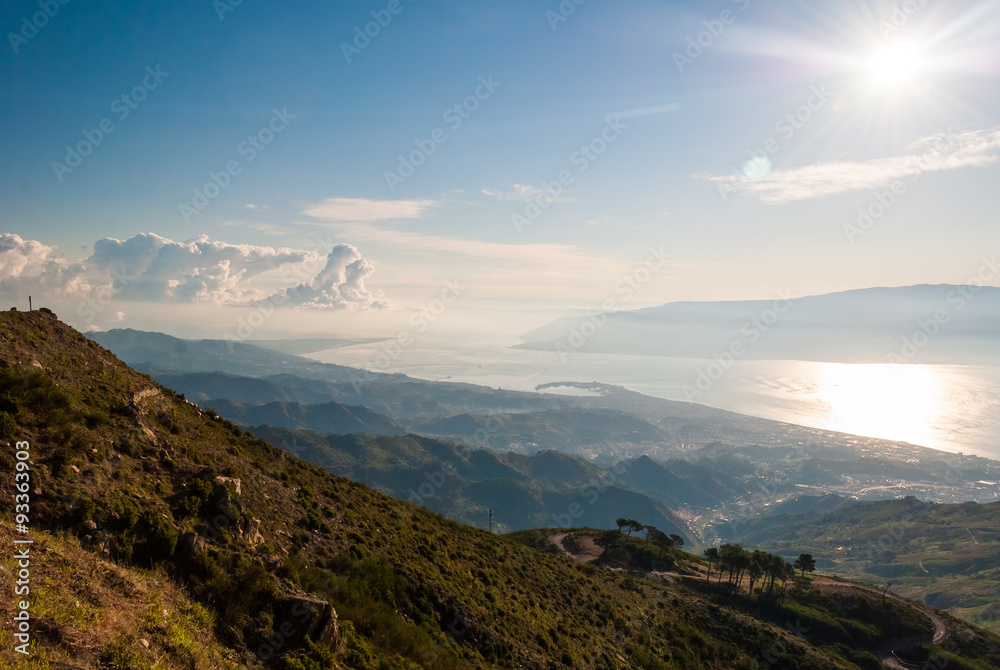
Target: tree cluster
(609, 538)
(740, 565)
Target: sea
(954, 408)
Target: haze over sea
(949, 407)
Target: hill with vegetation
(166, 537)
(945, 555)
(464, 484)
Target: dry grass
(89, 613)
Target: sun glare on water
(892, 402)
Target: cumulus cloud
(931, 154)
(28, 267)
(339, 285)
(361, 209)
(154, 268)
(151, 268)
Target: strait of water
(950, 407)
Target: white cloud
(931, 154)
(340, 285)
(522, 192)
(28, 267)
(155, 269)
(361, 209)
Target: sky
(344, 168)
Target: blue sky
(898, 116)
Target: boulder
(226, 482)
(321, 624)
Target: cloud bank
(28, 267)
(150, 268)
(931, 154)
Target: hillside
(524, 491)
(168, 538)
(945, 555)
(331, 417)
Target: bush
(8, 403)
(8, 426)
(198, 495)
(95, 419)
(315, 657)
(157, 538)
(84, 509)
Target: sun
(896, 65)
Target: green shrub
(84, 509)
(314, 657)
(157, 538)
(198, 495)
(8, 426)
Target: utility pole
(491, 520)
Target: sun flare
(896, 65)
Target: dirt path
(590, 551)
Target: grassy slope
(113, 450)
(944, 554)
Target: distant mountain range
(921, 324)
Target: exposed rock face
(318, 616)
(253, 533)
(226, 482)
(194, 542)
